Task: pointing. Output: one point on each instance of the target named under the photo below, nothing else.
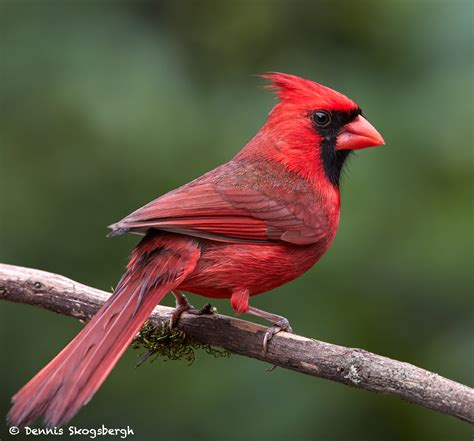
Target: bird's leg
(182, 305)
(279, 324)
(240, 304)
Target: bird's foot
(178, 311)
(280, 325)
(206, 309)
(182, 305)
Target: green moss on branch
(170, 343)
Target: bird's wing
(228, 215)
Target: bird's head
(314, 128)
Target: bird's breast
(224, 268)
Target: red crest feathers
(300, 91)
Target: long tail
(157, 265)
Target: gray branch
(353, 367)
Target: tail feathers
(70, 380)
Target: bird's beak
(358, 134)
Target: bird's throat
(333, 160)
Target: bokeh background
(106, 105)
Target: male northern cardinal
(244, 228)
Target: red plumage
(248, 226)
(157, 265)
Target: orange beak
(359, 134)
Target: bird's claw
(206, 309)
(280, 325)
(176, 314)
(190, 309)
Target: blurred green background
(106, 105)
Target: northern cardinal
(244, 228)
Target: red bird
(244, 228)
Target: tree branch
(353, 367)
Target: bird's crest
(300, 91)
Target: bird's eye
(321, 118)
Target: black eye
(321, 118)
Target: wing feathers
(227, 214)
